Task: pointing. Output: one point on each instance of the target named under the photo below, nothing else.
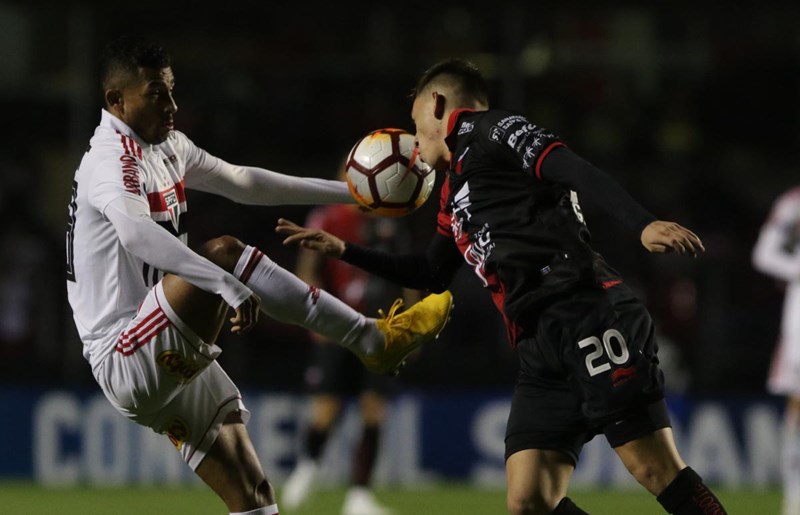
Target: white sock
(272, 509)
(790, 465)
(288, 299)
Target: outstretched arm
(565, 167)
(258, 186)
(430, 270)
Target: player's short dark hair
(124, 56)
(464, 75)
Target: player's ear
(438, 105)
(113, 98)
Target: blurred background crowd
(694, 110)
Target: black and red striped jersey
(523, 235)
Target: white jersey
(777, 253)
(106, 283)
(127, 223)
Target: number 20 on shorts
(611, 348)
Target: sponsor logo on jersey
(179, 366)
(130, 165)
(466, 127)
(170, 159)
(496, 133)
(178, 432)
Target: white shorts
(784, 373)
(163, 376)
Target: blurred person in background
(149, 309)
(777, 254)
(588, 357)
(335, 374)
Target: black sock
(315, 442)
(688, 495)
(364, 458)
(567, 507)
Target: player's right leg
(544, 436)
(382, 345)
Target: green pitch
(26, 499)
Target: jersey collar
(107, 119)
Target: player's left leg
(232, 469)
(654, 461)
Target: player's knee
(263, 493)
(529, 504)
(223, 251)
(651, 475)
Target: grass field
(26, 499)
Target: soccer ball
(385, 174)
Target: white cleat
(300, 483)
(360, 501)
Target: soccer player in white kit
(149, 309)
(777, 253)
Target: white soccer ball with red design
(385, 174)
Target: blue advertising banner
(71, 437)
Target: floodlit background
(693, 108)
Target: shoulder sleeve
(115, 177)
(525, 143)
(200, 165)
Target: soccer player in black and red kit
(588, 364)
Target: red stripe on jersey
(255, 257)
(544, 153)
(124, 141)
(156, 198)
(443, 218)
(611, 284)
(130, 146)
(135, 338)
(154, 319)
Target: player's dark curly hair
(122, 58)
(459, 72)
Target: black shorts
(337, 371)
(590, 368)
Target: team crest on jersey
(173, 206)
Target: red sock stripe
(133, 339)
(255, 257)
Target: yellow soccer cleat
(408, 330)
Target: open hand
(660, 236)
(313, 239)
